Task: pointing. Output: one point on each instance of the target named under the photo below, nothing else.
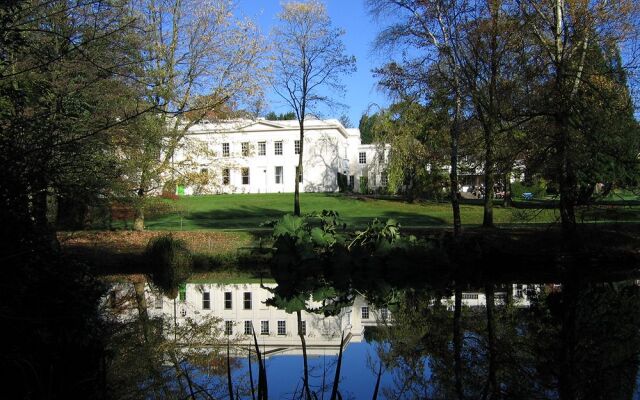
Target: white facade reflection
(241, 307)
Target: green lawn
(247, 211)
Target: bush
(364, 185)
(170, 262)
(538, 188)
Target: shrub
(538, 188)
(170, 262)
(364, 185)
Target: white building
(261, 156)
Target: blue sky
(350, 15)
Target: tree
(197, 61)
(63, 70)
(492, 72)
(418, 144)
(309, 56)
(345, 121)
(366, 126)
(272, 116)
(561, 36)
(436, 29)
(62, 65)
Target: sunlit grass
(248, 211)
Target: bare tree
(197, 59)
(309, 57)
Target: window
(384, 179)
(228, 303)
(158, 302)
(225, 149)
(264, 327)
(278, 175)
(183, 312)
(225, 176)
(245, 149)
(182, 292)
(262, 148)
(282, 327)
(245, 176)
(362, 157)
(248, 328)
(247, 300)
(278, 148)
(228, 328)
(206, 301)
(365, 312)
(302, 328)
(296, 146)
(381, 157)
(384, 314)
(469, 296)
(519, 292)
(351, 181)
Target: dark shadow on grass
(232, 218)
(251, 217)
(402, 217)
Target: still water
(573, 339)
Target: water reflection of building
(241, 307)
(520, 295)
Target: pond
(472, 338)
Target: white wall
(329, 148)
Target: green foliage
(170, 262)
(364, 184)
(538, 188)
(288, 116)
(316, 257)
(366, 126)
(418, 138)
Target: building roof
(244, 125)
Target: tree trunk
(567, 385)
(506, 200)
(299, 172)
(457, 341)
(491, 336)
(487, 218)
(567, 178)
(304, 352)
(453, 175)
(141, 303)
(138, 217)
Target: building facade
(261, 156)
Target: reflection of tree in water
(581, 342)
(159, 359)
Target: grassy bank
(248, 211)
(122, 251)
